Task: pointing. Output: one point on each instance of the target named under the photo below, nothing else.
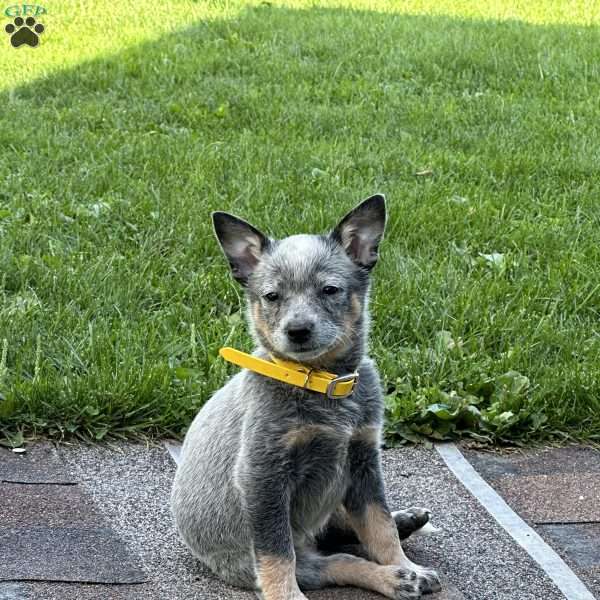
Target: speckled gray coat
(280, 488)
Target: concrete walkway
(123, 491)
(557, 492)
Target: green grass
(132, 122)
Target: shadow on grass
(484, 135)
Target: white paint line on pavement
(554, 566)
(174, 450)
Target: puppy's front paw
(396, 583)
(429, 580)
(291, 595)
(410, 584)
(407, 585)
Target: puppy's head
(307, 294)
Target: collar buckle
(341, 379)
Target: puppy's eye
(330, 290)
(271, 296)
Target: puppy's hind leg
(315, 571)
(338, 536)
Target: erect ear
(361, 230)
(242, 244)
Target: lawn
(132, 121)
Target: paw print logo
(24, 32)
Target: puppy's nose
(299, 333)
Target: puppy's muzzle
(299, 333)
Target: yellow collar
(294, 373)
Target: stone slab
(546, 461)
(490, 466)
(10, 590)
(41, 590)
(48, 505)
(559, 498)
(591, 578)
(579, 543)
(66, 554)
(41, 464)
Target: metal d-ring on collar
(331, 385)
(341, 379)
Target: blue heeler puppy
(280, 488)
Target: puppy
(280, 486)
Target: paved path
(557, 491)
(123, 490)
